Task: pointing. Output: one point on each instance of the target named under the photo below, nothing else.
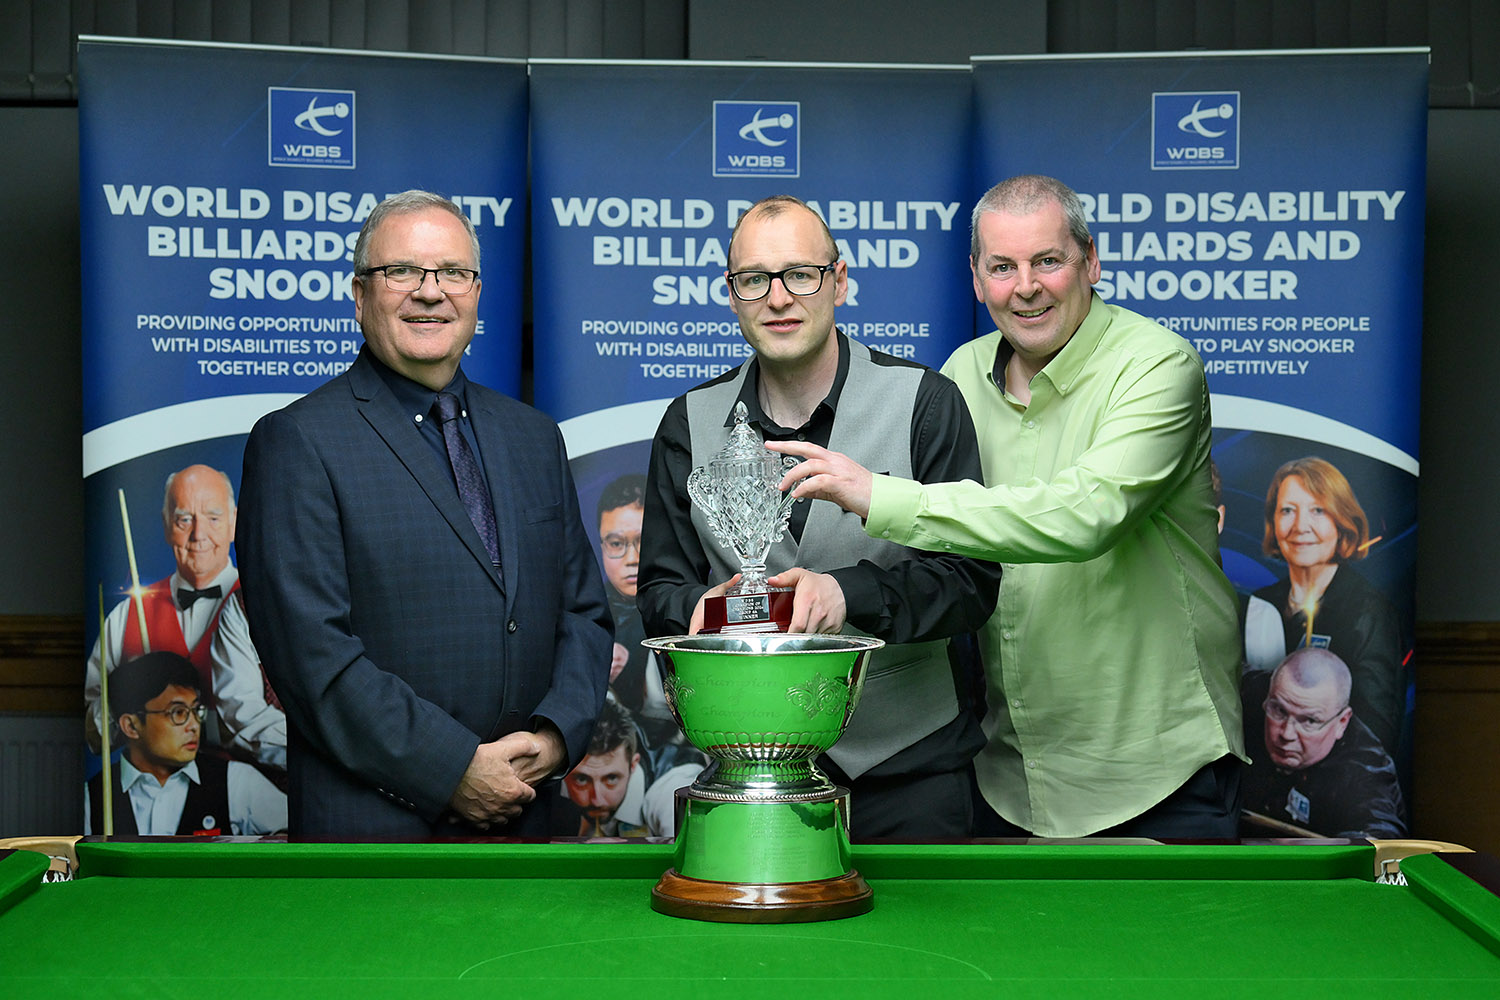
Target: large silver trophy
(763, 835)
(738, 493)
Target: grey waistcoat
(908, 689)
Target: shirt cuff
(894, 504)
(863, 602)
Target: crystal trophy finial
(740, 497)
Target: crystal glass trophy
(763, 834)
(738, 494)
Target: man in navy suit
(440, 652)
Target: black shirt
(929, 596)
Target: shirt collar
(1063, 370)
(130, 774)
(225, 581)
(415, 398)
(750, 396)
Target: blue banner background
(855, 141)
(152, 128)
(1270, 208)
(152, 137)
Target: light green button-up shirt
(1113, 654)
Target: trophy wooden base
(737, 614)
(774, 903)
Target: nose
(1025, 280)
(428, 292)
(778, 295)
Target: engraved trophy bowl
(763, 834)
(738, 494)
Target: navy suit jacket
(393, 644)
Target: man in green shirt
(1112, 656)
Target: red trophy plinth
(767, 610)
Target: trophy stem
(752, 579)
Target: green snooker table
(274, 920)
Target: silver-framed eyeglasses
(409, 277)
(1307, 725)
(178, 714)
(799, 279)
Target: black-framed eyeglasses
(615, 547)
(177, 714)
(799, 279)
(409, 277)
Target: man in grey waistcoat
(906, 757)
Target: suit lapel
(500, 463)
(432, 474)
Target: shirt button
(1031, 423)
(1031, 764)
(1015, 703)
(801, 437)
(511, 625)
(1007, 634)
(418, 418)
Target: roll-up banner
(221, 189)
(639, 172)
(1269, 208)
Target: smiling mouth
(1030, 313)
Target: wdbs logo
(311, 128)
(1198, 131)
(757, 138)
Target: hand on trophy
(825, 475)
(818, 605)
(719, 590)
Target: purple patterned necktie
(471, 488)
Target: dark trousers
(1206, 807)
(909, 808)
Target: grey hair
(401, 204)
(1025, 194)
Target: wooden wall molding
(41, 664)
(44, 654)
(1456, 759)
(41, 660)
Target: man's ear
(128, 726)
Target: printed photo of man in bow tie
(197, 612)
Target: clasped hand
(501, 778)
